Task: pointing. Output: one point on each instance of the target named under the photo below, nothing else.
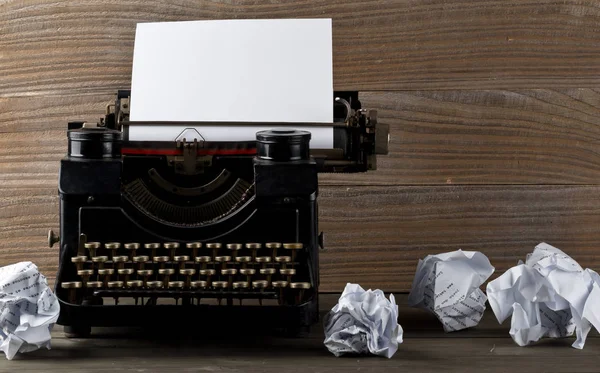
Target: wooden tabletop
(426, 348)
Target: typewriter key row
(249, 252)
(194, 288)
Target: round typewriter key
(94, 284)
(134, 284)
(220, 284)
(100, 260)
(261, 285)
(166, 273)
(79, 261)
(229, 272)
(85, 275)
(161, 260)
(280, 285)
(132, 247)
(145, 273)
(223, 260)
(181, 259)
(140, 260)
(248, 272)
(188, 273)
(107, 272)
(115, 284)
(203, 260)
(125, 272)
(289, 272)
(208, 273)
(92, 247)
(199, 284)
(273, 246)
(234, 247)
(214, 246)
(193, 245)
(293, 247)
(283, 260)
(268, 272)
(112, 247)
(72, 289)
(301, 286)
(176, 284)
(243, 259)
(172, 247)
(240, 285)
(120, 261)
(71, 285)
(253, 248)
(154, 284)
(263, 260)
(152, 246)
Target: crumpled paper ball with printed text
(28, 309)
(363, 322)
(550, 295)
(448, 284)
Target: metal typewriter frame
(358, 137)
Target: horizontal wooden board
(487, 137)
(66, 47)
(375, 235)
(437, 137)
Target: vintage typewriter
(197, 230)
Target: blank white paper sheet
(233, 70)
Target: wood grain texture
(66, 47)
(375, 235)
(426, 348)
(486, 137)
(437, 137)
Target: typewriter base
(78, 320)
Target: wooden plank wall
(494, 109)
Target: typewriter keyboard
(189, 272)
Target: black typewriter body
(195, 230)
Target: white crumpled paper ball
(363, 322)
(28, 309)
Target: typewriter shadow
(181, 341)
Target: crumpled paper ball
(363, 322)
(448, 284)
(28, 309)
(549, 295)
